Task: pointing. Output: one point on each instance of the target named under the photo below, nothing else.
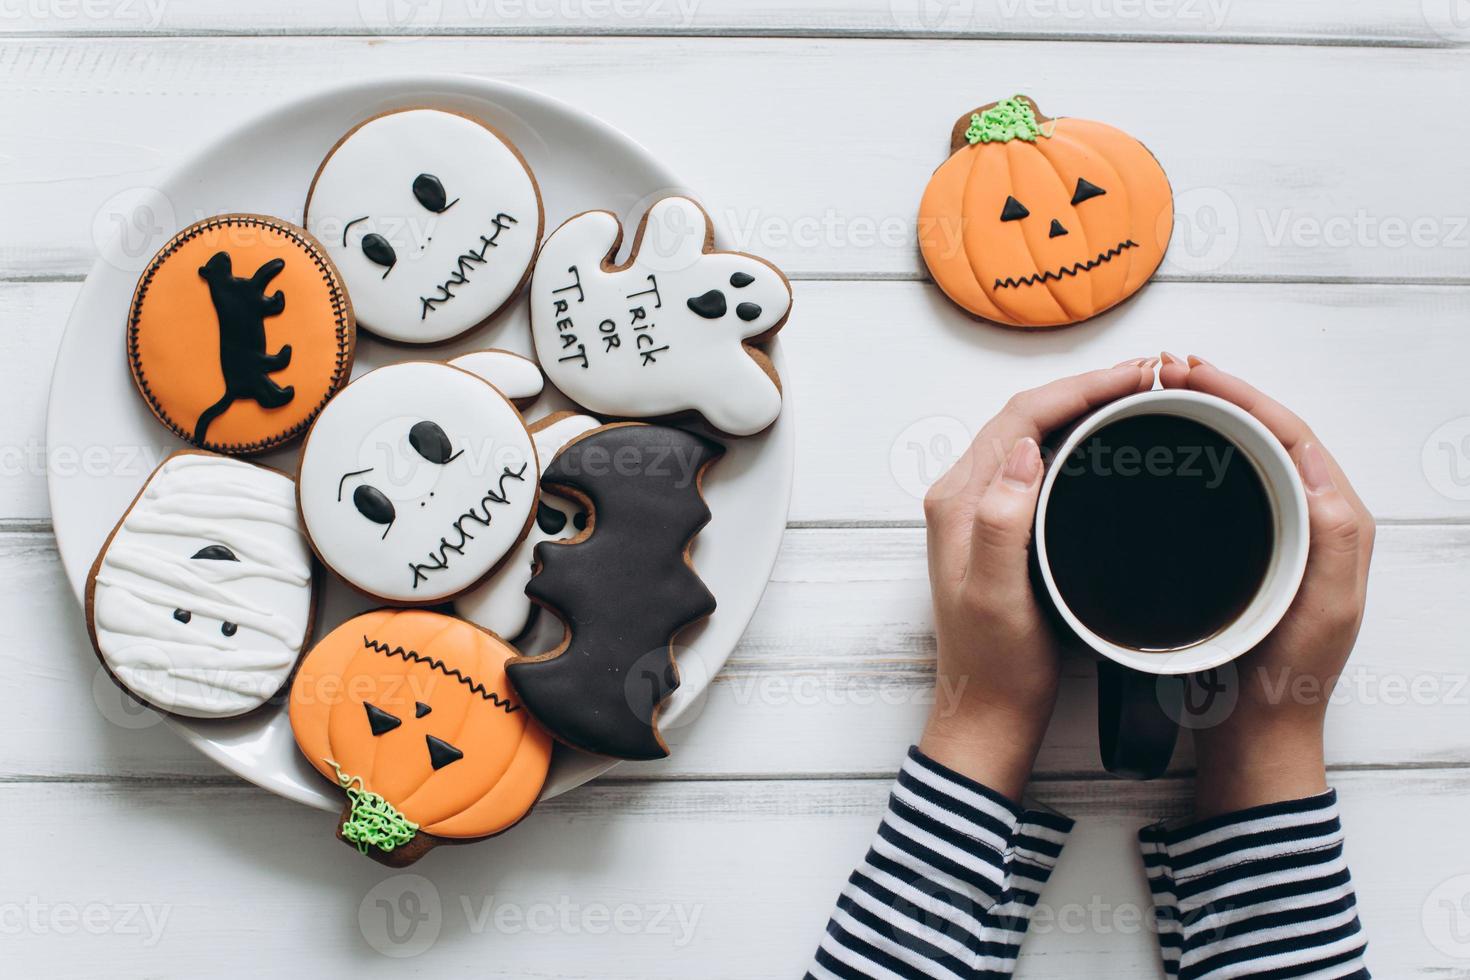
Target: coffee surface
(1158, 532)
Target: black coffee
(1158, 532)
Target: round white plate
(104, 442)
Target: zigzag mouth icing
(1067, 270)
(463, 263)
(438, 558)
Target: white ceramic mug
(1136, 724)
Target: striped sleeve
(948, 886)
(1263, 893)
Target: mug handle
(1136, 730)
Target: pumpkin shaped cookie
(1039, 222)
(410, 712)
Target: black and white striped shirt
(954, 873)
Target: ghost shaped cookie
(201, 599)
(433, 218)
(668, 332)
(416, 481)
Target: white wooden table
(1319, 157)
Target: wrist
(992, 744)
(1243, 763)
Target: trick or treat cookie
(623, 588)
(500, 603)
(201, 600)
(669, 331)
(433, 218)
(240, 331)
(416, 481)
(1038, 222)
(410, 713)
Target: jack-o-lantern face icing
(240, 331)
(411, 713)
(201, 600)
(432, 217)
(1037, 222)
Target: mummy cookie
(500, 603)
(416, 482)
(433, 218)
(669, 331)
(201, 600)
(409, 712)
(240, 331)
(622, 588)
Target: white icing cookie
(416, 480)
(433, 219)
(500, 603)
(667, 332)
(201, 600)
(517, 377)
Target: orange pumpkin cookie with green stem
(410, 712)
(1039, 222)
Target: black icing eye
(420, 709)
(373, 504)
(579, 520)
(549, 519)
(183, 615)
(710, 305)
(747, 311)
(1014, 210)
(380, 721)
(214, 552)
(430, 193)
(228, 629)
(430, 442)
(379, 252)
(441, 753)
(1086, 191)
(741, 279)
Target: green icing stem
(372, 821)
(1009, 119)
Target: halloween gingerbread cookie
(409, 712)
(433, 218)
(623, 588)
(416, 481)
(1038, 222)
(669, 331)
(201, 600)
(240, 331)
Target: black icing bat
(622, 589)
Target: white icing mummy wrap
(201, 601)
(666, 332)
(432, 218)
(500, 603)
(416, 480)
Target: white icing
(517, 377)
(615, 347)
(191, 502)
(439, 509)
(499, 603)
(371, 176)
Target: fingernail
(1169, 358)
(1131, 362)
(1196, 361)
(1149, 362)
(1316, 474)
(1023, 465)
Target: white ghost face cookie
(416, 481)
(432, 218)
(500, 603)
(667, 332)
(201, 600)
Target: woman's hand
(998, 660)
(1270, 747)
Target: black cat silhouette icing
(241, 306)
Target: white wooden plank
(820, 161)
(888, 380)
(1260, 21)
(833, 677)
(635, 881)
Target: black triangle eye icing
(430, 442)
(379, 252)
(430, 193)
(214, 552)
(1086, 191)
(1014, 210)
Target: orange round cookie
(411, 713)
(240, 331)
(1038, 222)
